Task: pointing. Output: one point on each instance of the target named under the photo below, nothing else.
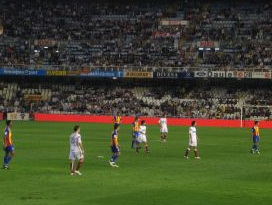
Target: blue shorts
(9, 149)
(256, 139)
(115, 149)
(135, 134)
(115, 124)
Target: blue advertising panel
(103, 74)
(22, 72)
(169, 74)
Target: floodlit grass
(226, 174)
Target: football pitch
(226, 173)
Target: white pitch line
(101, 157)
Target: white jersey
(192, 136)
(75, 140)
(142, 130)
(163, 125)
(163, 122)
(142, 134)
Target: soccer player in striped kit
(255, 137)
(8, 145)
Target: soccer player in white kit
(76, 151)
(142, 137)
(163, 128)
(192, 141)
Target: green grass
(226, 174)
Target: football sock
(5, 160)
(79, 164)
(254, 147)
(187, 152)
(114, 158)
(8, 159)
(196, 153)
(72, 167)
(138, 148)
(146, 149)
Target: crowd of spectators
(198, 101)
(80, 34)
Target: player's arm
(81, 147)
(4, 139)
(190, 135)
(115, 141)
(142, 131)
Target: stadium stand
(213, 102)
(173, 36)
(73, 35)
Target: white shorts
(76, 155)
(141, 138)
(164, 130)
(192, 143)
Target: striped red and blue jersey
(7, 141)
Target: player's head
(256, 123)
(143, 122)
(193, 123)
(116, 127)
(77, 128)
(9, 123)
(164, 115)
(136, 118)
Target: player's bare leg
(11, 154)
(162, 137)
(114, 158)
(7, 159)
(255, 148)
(187, 152)
(5, 165)
(137, 147)
(146, 147)
(79, 164)
(165, 137)
(117, 154)
(72, 167)
(196, 153)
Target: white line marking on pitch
(101, 157)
